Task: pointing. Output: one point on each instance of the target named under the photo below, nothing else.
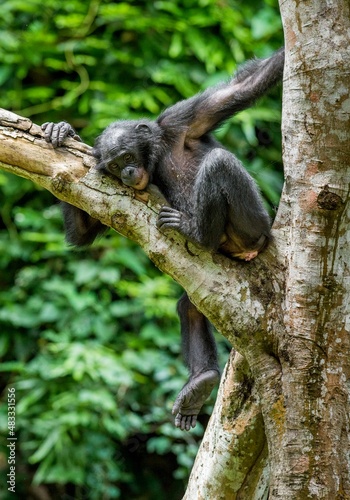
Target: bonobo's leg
(225, 194)
(200, 355)
(81, 229)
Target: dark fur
(213, 201)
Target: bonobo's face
(121, 151)
(125, 164)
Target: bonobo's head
(129, 150)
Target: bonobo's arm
(205, 112)
(81, 229)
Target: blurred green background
(90, 340)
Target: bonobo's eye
(114, 168)
(128, 158)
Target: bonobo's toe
(185, 422)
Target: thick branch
(233, 452)
(229, 293)
(310, 420)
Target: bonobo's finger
(168, 217)
(168, 223)
(168, 210)
(47, 127)
(64, 131)
(54, 134)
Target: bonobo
(213, 201)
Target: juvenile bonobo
(213, 201)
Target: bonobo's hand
(55, 133)
(169, 218)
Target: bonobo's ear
(96, 150)
(96, 153)
(144, 128)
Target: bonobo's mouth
(138, 181)
(143, 182)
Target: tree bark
(280, 428)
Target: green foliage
(90, 339)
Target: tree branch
(227, 292)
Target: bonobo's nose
(129, 171)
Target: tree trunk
(311, 456)
(303, 382)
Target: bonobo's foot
(251, 254)
(247, 256)
(192, 397)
